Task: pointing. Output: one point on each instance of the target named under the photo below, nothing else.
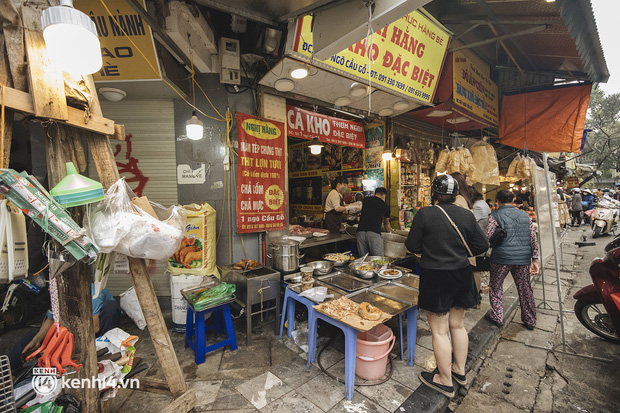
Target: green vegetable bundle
(211, 296)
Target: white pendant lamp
(315, 146)
(193, 128)
(387, 155)
(71, 39)
(299, 73)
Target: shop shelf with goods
(413, 190)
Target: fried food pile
(252, 264)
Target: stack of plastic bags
(455, 160)
(520, 168)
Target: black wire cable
(368, 383)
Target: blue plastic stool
(222, 321)
(288, 310)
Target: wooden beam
(46, 82)
(182, 404)
(104, 159)
(74, 293)
(152, 385)
(119, 133)
(22, 102)
(157, 327)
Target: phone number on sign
(398, 85)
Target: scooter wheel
(597, 232)
(594, 317)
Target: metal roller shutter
(151, 124)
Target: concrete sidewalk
(526, 370)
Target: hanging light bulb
(193, 127)
(387, 155)
(71, 39)
(315, 146)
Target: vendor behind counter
(334, 206)
(375, 212)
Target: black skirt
(441, 290)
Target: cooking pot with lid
(284, 254)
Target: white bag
(131, 306)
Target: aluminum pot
(284, 254)
(394, 245)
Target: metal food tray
(337, 292)
(404, 270)
(409, 280)
(389, 305)
(398, 291)
(344, 281)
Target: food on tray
(299, 230)
(391, 272)
(369, 312)
(340, 308)
(365, 267)
(252, 265)
(380, 261)
(338, 257)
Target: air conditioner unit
(193, 36)
(230, 61)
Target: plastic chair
(222, 320)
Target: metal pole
(555, 245)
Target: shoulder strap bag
(471, 258)
(499, 235)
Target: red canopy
(547, 120)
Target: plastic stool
(221, 318)
(288, 310)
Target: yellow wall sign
(121, 59)
(473, 90)
(405, 56)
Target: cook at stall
(334, 206)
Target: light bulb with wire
(315, 146)
(193, 128)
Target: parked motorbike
(598, 304)
(604, 218)
(21, 300)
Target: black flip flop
(427, 379)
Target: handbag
(498, 236)
(471, 258)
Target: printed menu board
(261, 199)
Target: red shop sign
(261, 200)
(307, 125)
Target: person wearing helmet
(576, 208)
(587, 203)
(447, 285)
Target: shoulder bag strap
(457, 230)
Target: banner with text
(473, 90)
(121, 60)
(405, 56)
(308, 125)
(260, 175)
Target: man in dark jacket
(517, 254)
(576, 208)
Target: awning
(547, 120)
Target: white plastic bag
(134, 226)
(131, 306)
(316, 294)
(115, 340)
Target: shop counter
(328, 239)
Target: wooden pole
(74, 291)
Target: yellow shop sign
(405, 57)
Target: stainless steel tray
(409, 280)
(337, 292)
(344, 281)
(387, 305)
(398, 291)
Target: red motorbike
(598, 304)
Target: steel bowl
(336, 263)
(371, 258)
(321, 267)
(365, 274)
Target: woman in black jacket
(447, 286)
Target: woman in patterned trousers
(518, 254)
